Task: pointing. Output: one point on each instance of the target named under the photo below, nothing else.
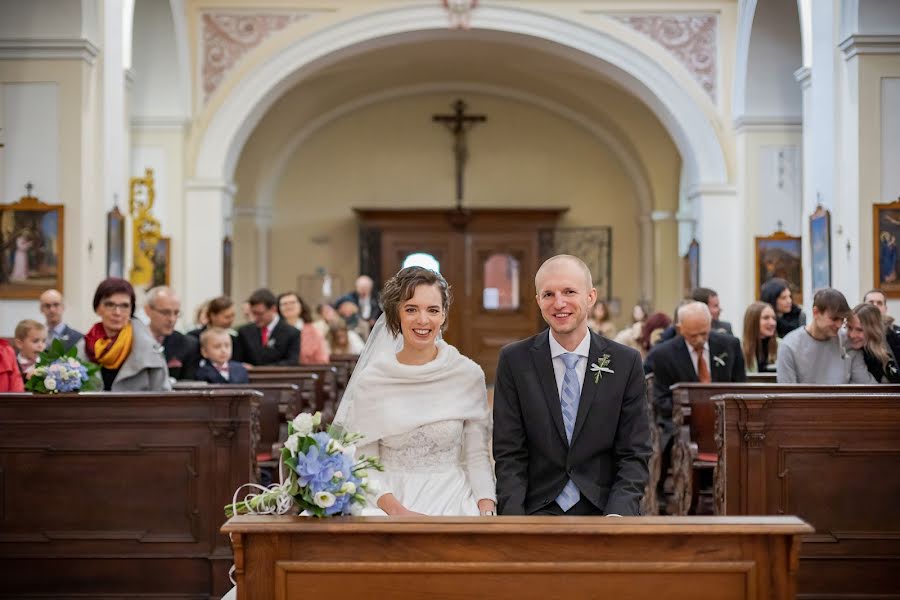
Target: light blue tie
(568, 400)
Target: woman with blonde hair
(760, 340)
(866, 333)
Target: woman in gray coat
(130, 359)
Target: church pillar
(869, 155)
(722, 248)
(252, 241)
(666, 276)
(648, 257)
(205, 206)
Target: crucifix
(459, 125)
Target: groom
(570, 432)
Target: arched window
(501, 283)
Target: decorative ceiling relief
(691, 38)
(229, 36)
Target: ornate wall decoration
(691, 38)
(229, 36)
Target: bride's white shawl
(390, 398)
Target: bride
(422, 407)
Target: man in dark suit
(570, 432)
(696, 354)
(182, 352)
(52, 308)
(268, 340)
(366, 298)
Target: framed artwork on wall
(31, 247)
(820, 248)
(161, 260)
(115, 243)
(779, 255)
(886, 224)
(690, 264)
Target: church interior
(216, 148)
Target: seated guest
(294, 311)
(219, 313)
(217, 366)
(788, 315)
(130, 359)
(652, 330)
(182, 351)
(877, 298)
(760, 341)
(31, 339)
(10, 377)
(349, 312)
(600, 321)
(866, 333)
(365, 299)
(631, 335)
(325, 317)
(696, 354)
(52, 308)
(711, 299)
(344, 341)
(268, 340)
(815, 353)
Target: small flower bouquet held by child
(325, 478)
(58, 370)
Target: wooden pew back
(832, 459)
(120, 495)
(326, 390)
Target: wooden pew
(694, 416)
(280, 403)
(109, 495)
(834, 460)
(345, 363)
(517, 558)
(326, 390)
(765, 377)
(649, 503)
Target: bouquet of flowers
(59, 370)
(325, 478)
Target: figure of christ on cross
(459, 125)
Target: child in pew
(217, 366)
(31, 339)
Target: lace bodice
(435, 446)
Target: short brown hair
(26, 326)
(402, 286)
(218, 305)
(111, 286)
(209, 332)
(833, 301)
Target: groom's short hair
(401, 287)
(588, 278)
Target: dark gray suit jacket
(610, 447)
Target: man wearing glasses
(182, 352)
(52, 308)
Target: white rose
(348, 488)
(50, 383)
(356, 509)
(334, 447)
(324, 499)
(372, 486)
(293, 444)
(303, 423)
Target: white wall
(775, 53)
(30, 121)
(158, 85)
(879, 16)
(40, 19)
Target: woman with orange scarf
(130, 359)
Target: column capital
(869, 44)
(803, 76)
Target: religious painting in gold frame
(31, 248)
(780, 255)
(886, 233)
(161, 261)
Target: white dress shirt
(559, 367)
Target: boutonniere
(600, 367)
(270, 343)
(64, 338)
(892, 368)
(720, 359)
